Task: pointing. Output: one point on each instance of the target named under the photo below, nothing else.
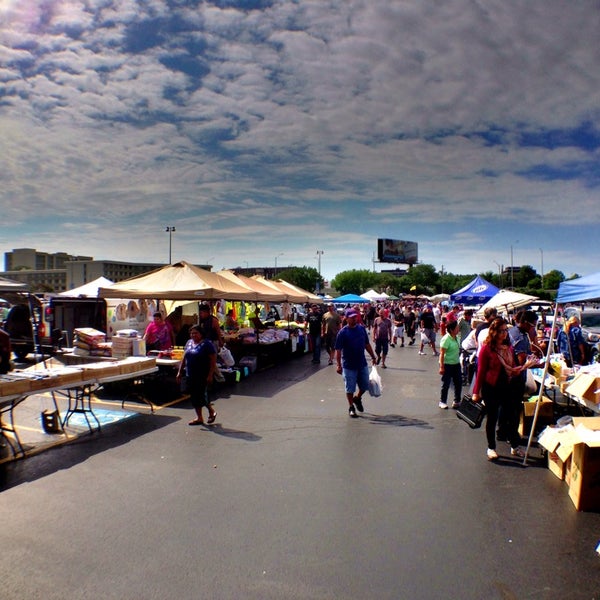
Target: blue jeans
(316, 346)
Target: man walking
(331, 326)
(382, 336)
(314, 321)
(350, 346)
(428, 328)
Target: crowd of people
(491, 355)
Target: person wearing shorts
(350, 346)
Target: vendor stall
(583, 289)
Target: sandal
(196, 422)
(211, 418)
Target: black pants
(452, 374)
(501, 398)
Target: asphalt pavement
(286, 497)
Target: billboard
(396, 251)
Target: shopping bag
(374, 382)
(470, 412)
(226, 356)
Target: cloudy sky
(265, 131)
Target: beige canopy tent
(265, 293)
(293, 293)
(179, 281)
(312, 298)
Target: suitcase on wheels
(470, 412)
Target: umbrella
(508, 300)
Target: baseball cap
(351, 313)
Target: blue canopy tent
(350, 299)
(575, 290)
(476, 292)
(579, 290)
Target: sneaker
(517, 452)
(421, 353)
(443, 405)
(393, 345)
(456, 405)
(358, 403)
(492, 454)
(352, 412)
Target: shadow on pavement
(398, 421)
(71, 453)
(234, 433)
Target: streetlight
(207, 263)
(319, 254)
(542, 256)
(499, 273)
(170, 230)
(512, 268)
(280, 254)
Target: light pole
(319, 254)
(280, 254)
(499, 274)
(512, 267)
(170, 230)
(542, 256)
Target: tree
(524, 275)
(552, 279)
(355, 281)
(422, 277)
(307, 278)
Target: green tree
(525, 274)
(423, 278)
(552, 279)
(307, 278)
(355, 281)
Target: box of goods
(251, 362)
(42, 380)
(68, 376)
(586, 386)
(98, 371)
(101, 349)
(13, 386)
(89, 336)
(559, 442)
(131, 333)
(545, 415)
(584, 484)
(121, 346)
(136, 364)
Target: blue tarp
(579, 290)
(350, 299)
(476, 292)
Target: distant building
(58, 272)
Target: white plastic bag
(226, 357)
(374, 382)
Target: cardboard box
(559, 444)
(545, 416)
(585, 386)
(584, 484)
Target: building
(58, 272)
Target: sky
(276, 133)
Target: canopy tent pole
(541, 392)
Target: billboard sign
(396, 251)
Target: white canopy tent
(374, 296)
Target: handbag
(470, 412)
